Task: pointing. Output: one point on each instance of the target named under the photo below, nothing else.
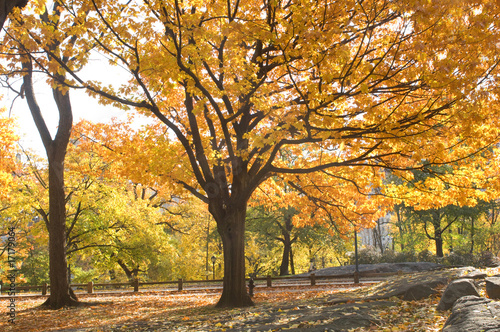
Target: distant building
(378, 237)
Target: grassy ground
(276, 310)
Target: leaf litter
(291, 309)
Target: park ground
(285, 309)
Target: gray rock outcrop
(455, 290)
(493, 287)
(418, 292)
(473, 314)
(474, 274)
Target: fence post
(313, 279)
(356, 277)
(251, 286)
(269, 281)
(136, 284)
(90, 287)
(44, 288)
(179, 284)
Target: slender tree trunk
(292, 265)
(377, 235)
(472, 231)
(286, 231)
(206, 257)
(494, 238)
(285, 260)
(400, 227)
(232, 231)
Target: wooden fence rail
(288, 281)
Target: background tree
(273, 216)
(409, 235)
(18, 211)
(276, 226)
(456, 224)
(352, 87)
(492, 242)
(266, 252)
(435, 223)
(314, 206)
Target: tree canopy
(349, 88)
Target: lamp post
(356, 272)
(213, 266)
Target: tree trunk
(438, 238)
(60, 292)
(439, 246)
(286, 231)
(377, 237)
(292, 265)
(438, 233)
(131, 274)
(399, 223)
(232, 231)
(285, 260)
(6, 7)
(472, 231)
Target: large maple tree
(347, 87)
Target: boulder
(488, 259)
(455, 290)
(364, 269)
(493, 287)
(473, 314)
(351, 322)
(475, 274)
(418, 292)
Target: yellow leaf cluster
(8, 161)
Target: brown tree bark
(285, 259)
(232, 231)
(438, 233)
(472, 233)
(131, 273)
(286, 232)
(399, 224)
(60, 292)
